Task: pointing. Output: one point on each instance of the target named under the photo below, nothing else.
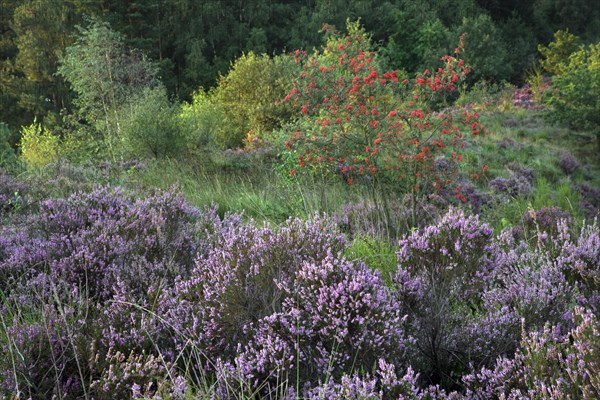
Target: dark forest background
(193, 42)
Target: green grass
(260, 186)
(524, 138)
(379, 255)
(263, 192)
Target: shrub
(248, 99)
(383, 384)
(336, 315)
(137, 376)
(238, 282)
(515, 186)
(43, 358)
(374, 127)
(590, 199)
(39, 146)
(526, 291)
(443, 272)
(354, 116)
(200, 122)
(106, 75)
(557, 53)
(468, 298)
(276, 304)
(545, 219)
(549, 364)
(568, 163)
(92, 240)
(13, 194)
(149, 126)
(7, 154)
(574, 93)
(578, 257)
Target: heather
(364, 220)
(109, 294)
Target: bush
(200, 122)
(137, 376)
(549, 364)
(93, 240)
(556, 54)
(238, 282)
(442, 274)
(573, 98)
(336, 316)
(42, 358)
(7, 154)
(515, 186)
(107, 75)
(39, 146)
(486, 50)
(150, 127)
(385, 383)
(248, 98)
(14, 194)
(373, 127)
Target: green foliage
(378, 254)
(537, 82)
(193, 42)
(582, 17)
(486, 49)
(199, 121)
(479, 95)
(105, 74)
(556, 54)
(150, 127)
(248, 98)
(7, 154)
(433, 40)
(576, 89)
(520, 41)
(34, 33)
(39, 146)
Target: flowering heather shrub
(443, 270)
(548, 365)
(516, 185)
(528, 290)
(91, 239)
(337, 316)
(267, 301)
(546, 220)
(590, 200)
(108, 256)
(126, 324)
(39, 361)
(579, 259)
(535, 285)
(236, 283)
(568, 163)
(137, 376)
(107, 296)
(384, 384)
(364, 218)
(509, 143)
(519, 169)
